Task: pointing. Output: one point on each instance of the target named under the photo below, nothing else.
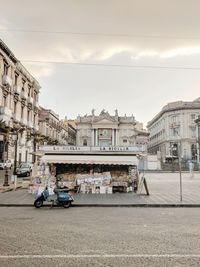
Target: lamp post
(16, 142)
(179, 161)
(6, 169)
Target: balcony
(29, 143)
(30, 100)
(24, 95)
(16, 117)
(17, 89)
(7, 80)
(36, 104)
(30, 124)
(5, 114)
(36, 127)
(23, 121)
(22, 141)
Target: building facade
(104, 130)
(174, 129)
(49, 126)
(19, 96)
(55, 131)
(69, 131)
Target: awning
(91, 159)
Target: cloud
(39, 70)
(180, 51)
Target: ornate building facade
(172, 126)
(19, 96)
(55, 131)
(104, 130)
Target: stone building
(19, 96)
(70, 131)
(55, 131)
(105, 130)
(49, 126)
(173, 125)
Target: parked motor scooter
(61, 198)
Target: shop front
(99, 171)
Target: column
(113, 137)
(96, 143)
(116, 137)
(92, 137)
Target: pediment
(105, 121)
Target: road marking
(73, 256)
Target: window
(5, 68)
(193, 132)
(29, 90)
(15, 107)
(23, 84)
(125, 141)
(28, 115)
(193, 116)
(22, 113)
(194, 151)
(16, 78)
(84, 142)
(4, 101)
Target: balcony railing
(24, 95)
(22, 141)
(29, 143)
(7, 80)
(30, 124)
(5, 115)
(5, 111)
(16, 117)
(30, 100)
(17, 89)
(23, 121)
(36, 104)
(36, 127)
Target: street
(99, 237)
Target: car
(8, 164)
(24, 169)
(26, 164)
(2, 165)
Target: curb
(114, 205)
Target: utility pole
(16, 144)
(6, 168)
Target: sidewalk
(164, 192)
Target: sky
(134, 56)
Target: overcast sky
(162, 33)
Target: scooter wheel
(66, 205)
(38, 203)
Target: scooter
(61, 198)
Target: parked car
(2, 165)
(7, 164)
(26, 164)
(24, 169)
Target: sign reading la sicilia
(93, 149)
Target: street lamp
(16, 141)
(6, 168)
(179, 161)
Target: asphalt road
(99, 237)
